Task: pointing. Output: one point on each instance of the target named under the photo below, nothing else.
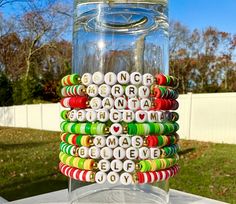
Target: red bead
(140, 177)
(155, 176)
(68, 82)
(84, 175)
(74, 140)
(148, 177)
(161, 79)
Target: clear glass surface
(114, 36)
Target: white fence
(204, 117)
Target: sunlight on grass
(29, 160)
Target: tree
(5, 90)
(202, 59)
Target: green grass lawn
(29, 159)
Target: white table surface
(60, 197)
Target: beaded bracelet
(77, 174)
(80, 163)
(75, 102)
(164, 92)
(84, 128)
(103, 115)
(68, 149)
(85, 144)
(156, 176)
(77, 140)
(165, 104)
(161, 140)
(152, 128)
(70, 80)
(157, 164)
(76, 90)
(165, 80)
(169, 151)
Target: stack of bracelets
(119, 128)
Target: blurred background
(35, 53)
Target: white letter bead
(99, 141)
(73, 115)
(104, 90)
(133, 104)
(108, 103)
(123, 77)
(95, 103)
(86, 79)
(144, 153)
(83, 152)
(113, 177)
(143, 92)
(155, 153)
(148, 79)
(120, 103)
(100, 177)
(92, 90)
(116, 129)
(132, 153)
(112, 141)
(126, 179)
(145, 104)
(140, 116)
(152, 116)
(131, 91)
(116, 165)
(115, 116)
(106, 153)
(104, 165)
(91, 115)
(137, 141)
(125, 141)
(94, 152)
(128, 116)
(81, 115)
(117, 90)
(119, 153)
(103, 115)
(161, 116)
(129, 166)
(98, 78)
(110, 78)
(136, 78)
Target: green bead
(143, 166)
(160, 141)
(158, 163)
(81, 163)
(88, 128)
(77, 128)
(74, 79)
(152, 128)
(101, 129)
(168, 79)
(93, 129)
(78, 140)
(64, 115)
(63, 126)
(73, 128)
(157, 128)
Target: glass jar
(114, 36)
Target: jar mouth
(117, 19)
(122, 21)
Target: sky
(192, 13)
(203, 13)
